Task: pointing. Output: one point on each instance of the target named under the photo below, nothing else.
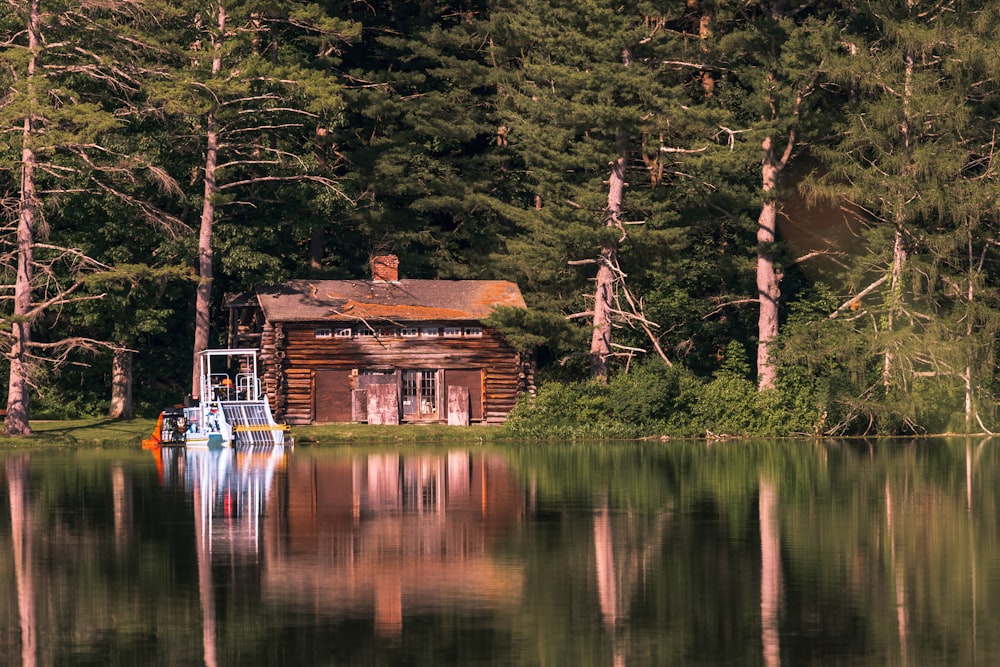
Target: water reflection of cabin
(383, 350)
(389, 534)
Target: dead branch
(853, 302)
(727, 304)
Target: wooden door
(333, 396)
(473, 379)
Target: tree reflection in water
(611, 554)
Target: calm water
(794, 553)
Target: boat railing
(247, 387)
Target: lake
(654, 553)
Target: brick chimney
(385, 268)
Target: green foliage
(655, 399)
(473, 139)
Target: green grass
(94, 432)
(98, 432)
(347, 434)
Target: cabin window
(342, 332)
(365, 332)
(452, 332)
(429, 332)
(473, 331)
(323, 333)
(388, 332)
(411, 332)
(420, 393)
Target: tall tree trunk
(900, 253)
(768, 278)
(600, 342)
(121, 385)
(203, 298)
(16, 420)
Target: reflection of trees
(623, 558)
(22, 536)
(856, 549)
(770, 573)
(632, 553)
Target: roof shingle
(353, 300)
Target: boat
(232, 409)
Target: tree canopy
(777, 218)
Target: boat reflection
(378, 536)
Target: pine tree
(254, 83)
(773, 55)
(67, 70)
(433, 156)
(594, 98)
(910, 158)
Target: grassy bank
(346, 434)
(99, 432)
(95, 432)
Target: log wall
(291, 354)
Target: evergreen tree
(67, 70)
(910, 156)
(428, 147)
(590, 85)
(254, 84)
(773, 54)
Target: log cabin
(384, 350)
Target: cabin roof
(402, 300)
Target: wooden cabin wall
(291, 353)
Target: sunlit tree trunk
(121, 385)
(600, 342)
(16, 421)
(768, 278)
(203, 297)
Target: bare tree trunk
(768, 277)
(121, 385)
(899, 251)
(203, 298)
(600, 342)
(16, 421)
(970, 297)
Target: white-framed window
(473, 331)
(388, 332)
(409, 332)
(429, 332)
(452, 332)
(419, 392)
(323, 333)
(342, 332)
(364, 332)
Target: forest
(727, 218)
